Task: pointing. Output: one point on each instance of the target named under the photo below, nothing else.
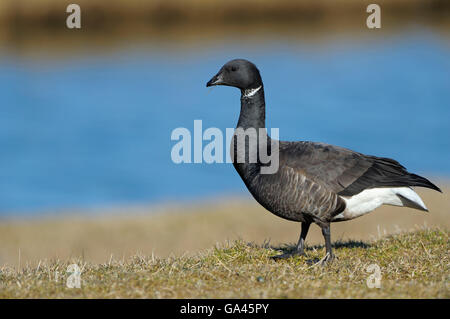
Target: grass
(413, 265)
(186, 229)
(220, 249)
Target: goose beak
(216, 80)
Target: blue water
(94, 130)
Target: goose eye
(234, 68)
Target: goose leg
(326, 234)
(300, 249)
(301, 240)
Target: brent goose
(315, 182)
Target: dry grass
(413, 265)
(38, 28)
(168, 253)
(187, 229)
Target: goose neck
(253, 109)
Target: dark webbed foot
(300, 249)
(288, 255)
(328, 259)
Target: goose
(315, 182)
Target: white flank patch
(251, 92)
(369, 199)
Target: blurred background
(86, 114)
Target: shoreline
(27, 28)
(47, 12)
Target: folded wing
(344, 171)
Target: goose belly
(294, 197)
(370, 199)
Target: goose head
(238, 73)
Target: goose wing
(344, 171)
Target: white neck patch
(251, 92)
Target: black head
(238, 73)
